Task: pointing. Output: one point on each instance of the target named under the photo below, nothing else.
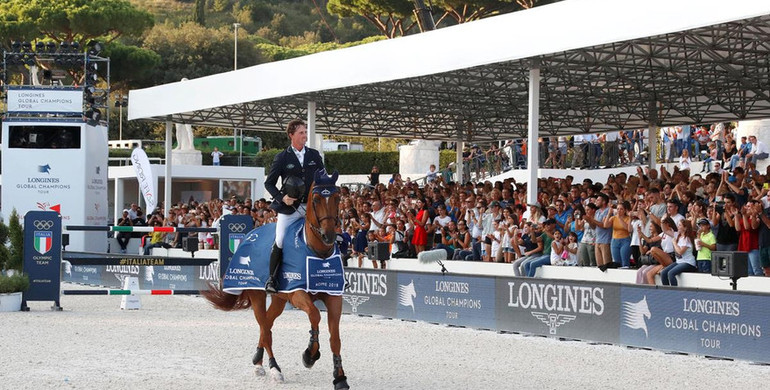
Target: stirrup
(270, 286)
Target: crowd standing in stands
(662, 221)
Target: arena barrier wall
(702, 322)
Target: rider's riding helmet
(294, 187)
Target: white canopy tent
(572, 67)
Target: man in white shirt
(215, 155)
(759, 150)
(378, 216)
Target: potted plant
(11, 288)
(12, 281)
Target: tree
(5, 254)
(193, 51)
(396, 17)
(392, 18)
(131, 66)
(462, 11)
(73, 20)
(199, 15)
(16, 234)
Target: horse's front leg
(304, 302)
(334, 313)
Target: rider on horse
(296, 166)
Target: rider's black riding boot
(276, 258)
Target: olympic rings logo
(236, 227)
(43, 225)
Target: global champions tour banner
(705, 323)
(729, 325)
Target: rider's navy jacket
(286, 164)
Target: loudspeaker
(730, 264)
(378, 251)
(65, 240)
(189, 244)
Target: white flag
(147, 181)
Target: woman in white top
(684, 160)
(665, 254)
(557, 249)
(685, 259)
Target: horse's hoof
(341, 383)
(307, 360)
(259, 370)
(276, 376)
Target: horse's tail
(224, 301)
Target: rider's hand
(288, 200)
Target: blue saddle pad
(301, 268)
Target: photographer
(723, 216)
(124, 237)
(747, 226)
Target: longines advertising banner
(61, 167)
(33, 100)
(558, 308)
(370, 292)
(705, 323)
(447, 299)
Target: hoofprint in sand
(179, 342)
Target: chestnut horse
(321, 222)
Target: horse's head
(323, 208)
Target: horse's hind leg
(334, 313)
(258, 303)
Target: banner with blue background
(706, 323)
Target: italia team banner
(705, 323)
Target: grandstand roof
(605, 65)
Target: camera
(719, 207)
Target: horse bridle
(326, 191)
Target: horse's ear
(335, 175)
(319, 174)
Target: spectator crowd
(665, 221)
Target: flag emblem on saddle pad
(43, 242)
(235, 241)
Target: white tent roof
(604, 63)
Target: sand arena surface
(180, 342)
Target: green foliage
(391, 18)
(265, 159)
(199, 14)
(72, 20)
(5, 254)
(13, 284)
(273, 52)
(349, 163)
(16, 235)
(131, 66)
(445, 157)
(194, 51)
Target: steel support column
(313, 141)
(459, 146)
(167, 179)
(534, 122)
